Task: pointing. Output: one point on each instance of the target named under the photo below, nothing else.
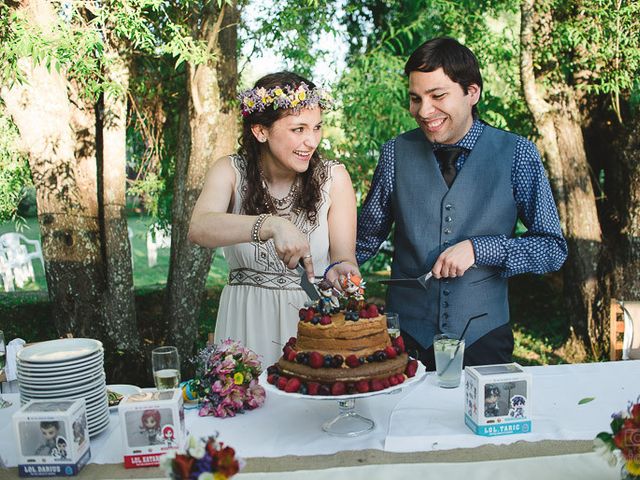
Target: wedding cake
(341, 348)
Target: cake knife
(307, 286)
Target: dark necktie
(447, 157)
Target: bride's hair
(255, 198)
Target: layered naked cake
(341, 352)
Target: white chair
(20, 253)
(157, 238)
(6, 272)
(625, 330)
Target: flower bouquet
(204, 459)
(227, 380)
(624, 440)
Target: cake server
(307, 286)
(421, 281)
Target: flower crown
(258, 99)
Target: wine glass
(165, 362)
(3, 360)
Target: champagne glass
(166, 367)
(393, 324)
(3, 360)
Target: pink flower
(255, 395)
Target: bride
(271, 205)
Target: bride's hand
(291, 244)
(339, 271)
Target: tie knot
(447, 156)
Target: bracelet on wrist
(255, 230)
(331, 265)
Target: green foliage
(292, 29)
(373, 96)
(604, 36)
(14, 170)
(148, 188)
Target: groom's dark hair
(457, 61)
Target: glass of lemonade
(393, 324)
(449, 351)
(166, 367)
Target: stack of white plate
(68, 368)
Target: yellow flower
(294, 102)
(219, 476)
(302, 95)
(633, 467)
(267, 100)
(238, 378)
(277, 92)
(249, 103)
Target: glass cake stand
(348, 423)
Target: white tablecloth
(422, 417)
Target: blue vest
(429, 217)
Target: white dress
(259, 305)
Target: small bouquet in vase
(227, 380)
(204, 459)
(623, 442)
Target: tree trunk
(557, 120)
(65, 190)
(121, 332)
(623, 190)
(612, 150)
(212, 127)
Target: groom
(453, 189)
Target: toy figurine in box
(152, 424)
(52, 438)
(497, 399)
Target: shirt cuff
(488, 250)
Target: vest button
(446, 281)
(445, 304)
(448, 206)
(445, 315)
(447, 231)
(448, 219)
(446, 292)
(445, 325)
(446, 243)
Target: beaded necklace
(278, 206)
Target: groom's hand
(455, 260)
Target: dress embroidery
(255, 278)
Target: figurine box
(152, 424)
(497, 399)
(52, 438)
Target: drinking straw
(464, 330)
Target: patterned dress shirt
(541, 249)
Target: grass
(143, 274)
